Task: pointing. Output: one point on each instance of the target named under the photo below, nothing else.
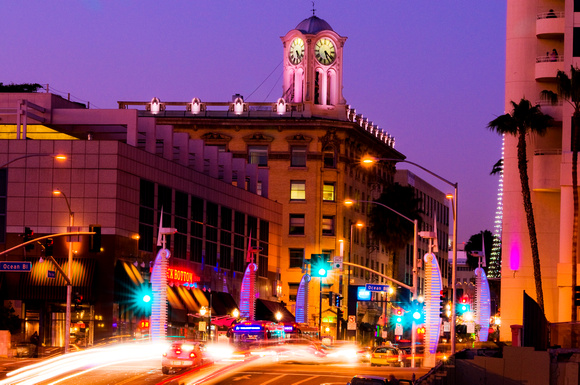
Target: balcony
(546, 170)
(555, 111)
(550, 25)
(547, 67)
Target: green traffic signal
(319, 265)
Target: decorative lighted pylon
(302, 300)
(482, 300)
(248, 292)
(158, 322)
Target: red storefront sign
(181, 276)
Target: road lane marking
(273, 379)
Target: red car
(181, 354)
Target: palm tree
(524, 120)
(568, 89)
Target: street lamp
(350, 202)
(360, 225)
(60, 157)
(69, 273)
(278, 316)
(371, 160)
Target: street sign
(398, 330)
(19, 266)
(351, 325)
(337, 263)
(202, 326)
(371, 287)
(51, 274)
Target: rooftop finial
(313, 9)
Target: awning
(266, 311)
(36, 285)
(222, 304)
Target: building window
(146, 214)
(258, 155)
(296, 224)
(296, 257)
(327, 225)
(298, 156)
(329, 192)
(297, 190)
(328, 156)
(196, 231)
(293, 291)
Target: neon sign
(182, 276)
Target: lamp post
(371, 160)
(358, 224)
(202, 312)
(55, 156)
(69, 274)
(349, 202)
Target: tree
(25, 87)
(390, 229)
(9, 320)
(568, 89)
(474, 244)
(525, 120)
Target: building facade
(124, 188)
(542, 39)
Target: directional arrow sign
(371, 287)
(18, 266)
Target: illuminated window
(328, 225)
(296, 224)
(297, 190)
(328, 192)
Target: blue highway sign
(371, 287)
(51, 274)
(18, 266)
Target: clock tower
(313, 65)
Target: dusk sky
(429, 73)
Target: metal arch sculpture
(433, 287)
(302, 299)
(482, 303)
(248, 293)
(159, 289)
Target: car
(181, 354)
(387, 355)
(364, 354)
(374, 380)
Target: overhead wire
(267, 77)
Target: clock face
(296, 51)
(324, 51)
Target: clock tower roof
(313, 25)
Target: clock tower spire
(313, 66)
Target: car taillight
(165, 354)
(178, 351)
(192, 355)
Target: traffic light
(338, 300)
(48, 244)
(463, 305)
(331, 299)
(442, 306)
(319, 265)
(78, 301)
(399, 313)
(576, 295)
(417, 311)
(28, 234)
(95, 239)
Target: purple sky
(430, 73)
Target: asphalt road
(242, 371)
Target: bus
(296, 330)
(256, 334)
